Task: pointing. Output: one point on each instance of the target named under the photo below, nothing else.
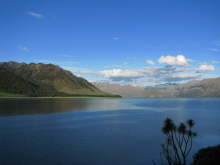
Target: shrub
(207, 156)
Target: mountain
(122, 90)
(199, 88)
(44, 80)
(131, 91)
(11, 83)
(202, 88)
(23, 79)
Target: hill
(44, 80)
(11, 83)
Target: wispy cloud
(214, 49)
(121, 75)
(215, 46)
(144, 75)
(216, 42)
(170, 74)
(216, 62)
(116, 38)
(206, 67)
(175, 70)
(36, 15)
(150, 62)
(24, 48)
(123, 65)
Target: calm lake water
(97, 131)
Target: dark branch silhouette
(178, 142)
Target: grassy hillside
(11, 83)
(4, 94)
(44, 80)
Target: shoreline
(71, 97)
(59, 97)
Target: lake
(97, 131)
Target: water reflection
(12, 106)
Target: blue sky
(139, 42)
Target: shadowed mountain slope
(45, 80)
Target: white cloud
(184, 76)
(115, 38)
(113, 74)
(119, 74)
(36, 15)
(180, 60)
(24, 48)
(152, 74)
(150, 62)
(170, 74)
(206, 67)
(82, 71)
(144, 75)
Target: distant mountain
(122, 90)
(203, 88)
(199, 88)
(44, 80)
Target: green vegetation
(45, 80)
(3, 94)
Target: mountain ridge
(196, 88)
(44, 80)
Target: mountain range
(43, 80)
(196, 88)
(48, 80)
(122, 90)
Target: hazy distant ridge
(122, 90)
(202, 88)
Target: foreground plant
(178, 142)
